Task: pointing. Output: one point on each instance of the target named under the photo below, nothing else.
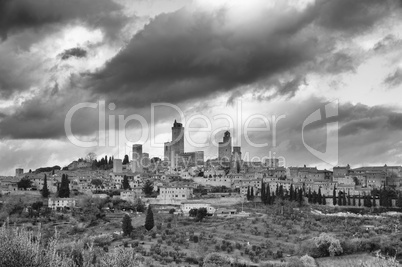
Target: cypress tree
(382, 198)
(319, 200)
(349, 202)
(126, 160)
(281, 191)
(126, 225)
(369, 201)
(314, 197)
(324, 201)
(277, 190)
(45, 190)
(252, 193)
(360, 201)
(64, 190)
(269, 198)
(339, 198)
(334, 197)
(309, 196)
(248, 193)
(295, 194)
(354, 200)
(374, 201)
(300, 197)
(126, 184)
(399, 201)
(343, 198)
(263, 197)
(149, 220)
(291, 192)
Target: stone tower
(225, 148)
(177, 143)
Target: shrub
(308, 261)
(216, 260)
(328, 245)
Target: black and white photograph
(200, 133)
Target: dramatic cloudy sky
(216, 62)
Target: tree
(281, 191)
(201, 214)
(291, 192)
(399, 201)
(64, 189)
(268, 195)
(354, 200)
(349, 202)
(148, 188)
(360, 201)
(45, 190)
(126, 225)
(340, 198)
(314, 197)
(126, 160)
(300, 200)
(91, 156)
(193, 212)
(24, 183)
(96, 182)
(324, 200)
(149, 220)
(344, 198)
(334, 197)
(319, 196)
(263, 197)
(252, 193)
(248, 193)
(126, 184)
(328, 245)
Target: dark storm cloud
(358, 118)
(19, 15)
(186, 55)
(394, 79)
(352, 16)
(190, 54)
(73, 52)
(43, 116)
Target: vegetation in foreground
(282, 234)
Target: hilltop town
(184, 177)
(98, 197)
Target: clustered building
(179, 174)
